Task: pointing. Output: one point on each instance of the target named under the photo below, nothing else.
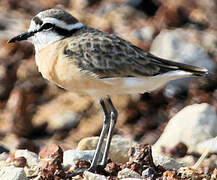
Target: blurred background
(34, 112)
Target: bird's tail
(171, 65)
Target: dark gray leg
(105, 127)
(113, 116)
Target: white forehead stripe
(62, 24)
(33, 26)
(76, 26)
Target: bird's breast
(61, 70)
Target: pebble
(128, 173)
(166, 162)
(31, 157)
(70, 157)
(92, 176)
(12, 173)
(149, 173)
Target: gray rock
(12, 173)
(70, 156)
(92, 176)
(167, 162)
(31, 157)
(193, 124)
(128, 173)
(175, 45)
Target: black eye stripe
(47, 26)
(64, 32)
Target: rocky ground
(48, 133)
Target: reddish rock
(51, 164)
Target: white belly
(133, 85)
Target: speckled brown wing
(106, 55)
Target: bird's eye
(47, 26)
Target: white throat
(43, 39)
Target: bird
(87, 61)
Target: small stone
(127, 173)
(32, 171)
(71, 156)
(140, 158)
(149, 173)
(187, 172)
(12, 173)
(166, 162)
(51, 163)
(169, 174)
(118, 150)
(31, 158)
(51, 151)
(19, 162)
(92, 176)
(82, 164)
(214, 174)
(112, 168)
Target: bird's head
(49, 26)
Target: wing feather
(106, 55)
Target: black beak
(23, 36)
